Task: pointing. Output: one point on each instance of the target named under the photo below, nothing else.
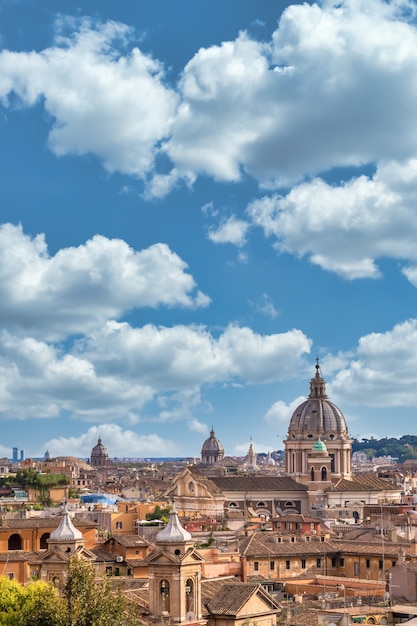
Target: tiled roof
(363, 482)
(130, 541)
(40, 522)
(231, 598)
(211, 587)
(298, 517)
(257, 483)
(260, 544)
(137, 562)
(13, 555)
(379, 548)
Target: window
(342, 562)
(292, 539)
(393, 563)
(308, 538)
(303, 563)
(14, 542)
(322, 538)
(256, 566)
(380, 564)
(10, 575)
(287, 564)
(271, 565)
(334, 561)
(368, 563)
(318, 562)
(119, 525)
(356, 568)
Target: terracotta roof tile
(257, 483)
(231, 598)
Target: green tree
(159, 513)
(37, 604)
(94, 604)
(42, 606)
(10, 601)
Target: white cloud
(383, 372)
(279, 414)
(80, 288)
(119, 443)
(102, 102)
(119, 370)
(198, 427)
(232, 230)
(266, 306)
(182, 357)
(347, 228)
(335, 87)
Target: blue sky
(196, 200)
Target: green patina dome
(319, 446)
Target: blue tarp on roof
(98, 498)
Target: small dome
(99, 454)
(319, 446)
(212, 444)
(66, 530)
(173, 531)
(212, 450)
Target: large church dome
(99, 455)
(318, 416)
(212, 450)
(317, 426)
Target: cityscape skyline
(197, 201)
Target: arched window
(165, 600)
(15, 542)
(189, 595)
(43, 543)
(323, 473)
(312, 473)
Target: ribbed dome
(212, 444)
(99, 449)
(99, 455)
(173, 531)
(317, 415)
(66, 530)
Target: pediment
(55, 556)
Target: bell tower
(175, 574)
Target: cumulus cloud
(382, 373)
(279, 413)
(79, 288)
(347, 228)
(198, 427)
(180, 357)
(232, 230)
(120, 370)
(335, 86)
(119, 442)
(102, 99)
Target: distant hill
(403, 448)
